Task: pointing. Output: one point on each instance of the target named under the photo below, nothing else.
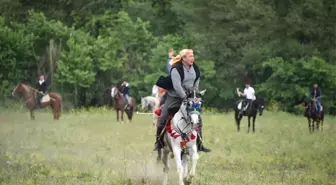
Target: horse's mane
(26, 87)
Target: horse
(180, 137)
(313, 116)
(256, 105)
(154, 103)
(29, 95)
(119, 104)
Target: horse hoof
(172, 156)
(187, 181)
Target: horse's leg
(32, 116)
(177, 155)
(194, 157)
(185, 165)
(159, 157)
(238, 119)
(249, 124)
(322, 118)
(309, 124)
(253, 123)
(166, 167)
(122, 116)
(117, 111)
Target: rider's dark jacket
(42, 87)
(315, 92)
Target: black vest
(166, 82)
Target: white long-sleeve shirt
(249, 93)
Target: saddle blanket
(45, 98)
(240, 104)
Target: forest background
(83, 47)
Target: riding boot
(159, 142)
(39, 101)
(200, 146)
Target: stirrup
(157, 146)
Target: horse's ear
(202, 92)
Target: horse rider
(42, 89)
(125, 91)
(170, 57)
(170, 63)
(249, 96)
(316, 94)
(191, 78)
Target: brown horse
(119, 104)
(29, 97)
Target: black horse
(256, 105)
(313, 116)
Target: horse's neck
(180, 123)
(28, 93)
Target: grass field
(92, 148)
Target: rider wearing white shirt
(249, 92)
(249, 95)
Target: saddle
(40, 98)
(240, 106)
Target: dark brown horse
(119, 104)
(29, 96)
(313, 116)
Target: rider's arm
(176, 79)
(253, 92)
(243, 93)
(168, 67)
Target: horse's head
(19, 89)
(192, 105)
(311, 105)
(260, 102)
(114, 91)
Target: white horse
(153, 102)
(180, 138)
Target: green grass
(92, 148)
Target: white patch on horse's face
(262, 106)
(194, 118)
(15, 90)
(113, 92)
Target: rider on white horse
(249, 96)
(184, 75)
